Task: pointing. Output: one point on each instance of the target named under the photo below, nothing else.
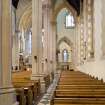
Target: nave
(52, 52)
(77, 88)
(69, 88)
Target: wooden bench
(21, 82)
(68, 87)
(77, 88)
(20, 95)
(31, 88)
(29, 91)
(80, 93)
(79, 83)
(78, 101)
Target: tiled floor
(48, 96)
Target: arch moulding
(64, 4)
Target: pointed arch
(66, 40)
(26, 19)
(60, 6)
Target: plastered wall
(97, 66)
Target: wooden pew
(81, 93)
(77, 88)
(21, 98)
(31, 88)
(27, 88)
(78, 101)
(81, 80)
(34, 83)
(69, 87)
(77, 83)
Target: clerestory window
(70, 21)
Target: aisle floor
(48, 95)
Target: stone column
(76, 45)
(88, 29)
(27, 43)
(6, 54)
(15, 52)
(78, 33)
(15, 42)
(35, 33)
(37, 70)
(98, 20)
(85, 30)
(50, 41)
(37, 48)
(81, 41)
(0, 44)
(47, 37)
(40, 47)
(45, 52)
(51, 49)
(90, 47)
(54, 38)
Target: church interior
(52, 52)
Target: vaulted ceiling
(74, 3)
(15, 3)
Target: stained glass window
(65, 55)
(70, 21)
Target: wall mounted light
(46, 60)
(35, 57)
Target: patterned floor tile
(48, 96)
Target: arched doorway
(65, 55)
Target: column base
(42, 82)
(8, 97)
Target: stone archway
(64, 4)
(69, 47)
(66, 40)
(26, 19)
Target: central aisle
(49, 94)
